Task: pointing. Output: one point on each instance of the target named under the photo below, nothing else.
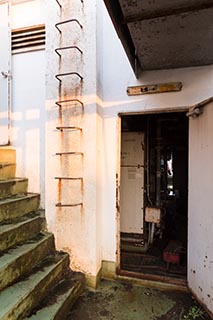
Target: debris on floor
(123, 301)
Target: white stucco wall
(27, 13)
(28, 101)
(76, 229)
(117, 76)
(200, 253)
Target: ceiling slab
(145, 8)
(169, 42)
(164, 34)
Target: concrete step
(7, 170)
(7, 154)
(18, 300)
(12, 187)
(18, 206)
(58, 304)
(22, 259)
(15, 233)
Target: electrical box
(153, 214)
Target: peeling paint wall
(200, 253)
(28, 101)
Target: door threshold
(165, 280)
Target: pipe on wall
(158, 165)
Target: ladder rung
(60, 205)
(82, 1)
(67, 21)
(68, 178)
(59, 103)
(66, 48)
(67, 128)
(71, 153)
(59, 3)
(67, 74)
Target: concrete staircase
(35, 280)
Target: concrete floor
(123, 301)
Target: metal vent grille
(28, 39)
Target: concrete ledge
(7, 154)
(61, 300)
(92, 281)
(153, 284)
(22, 259)
(108, 270)
(12, 187)
(7, 170)
(18, 232)
(19, 299)
(18, 206)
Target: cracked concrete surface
(123, 301)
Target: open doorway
(154, 196)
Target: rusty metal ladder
(62, 103)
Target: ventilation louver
(28, 39)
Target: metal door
(5, 73)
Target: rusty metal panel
(154, 88)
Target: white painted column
(28, 101)
(76, 229)
(200, 220)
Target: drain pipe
(158, 169)
(148, 163)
